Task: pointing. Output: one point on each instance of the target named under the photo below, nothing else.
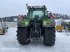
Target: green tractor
(36, 25)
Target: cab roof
(36, 7)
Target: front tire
(49, 36)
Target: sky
(16, 7)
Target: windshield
(38, 13)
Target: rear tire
(49, 36)
(23, 35)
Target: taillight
(21, 17)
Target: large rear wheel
(23, 35)
(49, 36)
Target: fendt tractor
(36, 25)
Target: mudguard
(24, 23)
(47, 22)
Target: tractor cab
(36, 11)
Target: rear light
(21, 17)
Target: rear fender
(24, 23)
(48, 23)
